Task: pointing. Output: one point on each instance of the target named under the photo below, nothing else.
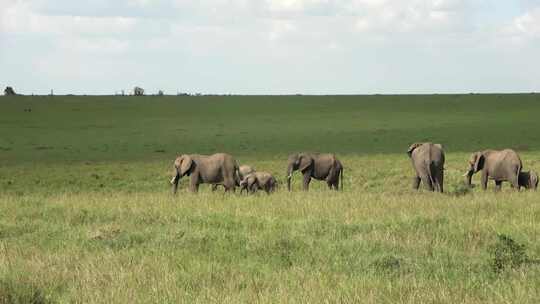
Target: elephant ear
(412, 147)
(305, 162)
(479, 161)
(185, 164)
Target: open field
(86, 213)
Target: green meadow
(87, 215)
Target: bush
(13, 291)
(8, 91)
(460, 189)
(507, 254)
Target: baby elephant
(428, 162)
(258, 180)
(528, 179)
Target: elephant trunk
(468, 177)
(174, 182)
(289, 177)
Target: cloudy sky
(270, 46)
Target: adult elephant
(318, 166)
(216, 169)
(428, 162)
(504, 165)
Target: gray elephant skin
(258, 181)
(503, 165)
(428, 163)
(216, 169)
(528, 180)
(243, 171)
(318, 166)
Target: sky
(270, 46)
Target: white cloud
(328, 45)
(529, 23)
(20, 18)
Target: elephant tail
(433, 171)
(236, 175)
(341, 178)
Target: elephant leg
(439, 181)
(427, 181)
(194, 184)
(335, 183)
(254, 189)
(416, 182)
(214, 187)
(229, 185)
(267, 188)
(307, 180)
(484, 180)
(330, 184)
(515, 183)
(498, 185)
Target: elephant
(503, 165)
(243, 171)
(216, 169)
(258, 180)
(528, 180)
(428, 162)
(318, 166)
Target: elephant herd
(427, 160)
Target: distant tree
(160, 93)
(137, 91)
(8, 91)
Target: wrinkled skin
(258, 181)
(504, 165)
(428, 163)
(317, 166)
(216, 169)
(243, 171)
(528, 180)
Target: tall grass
(96, 223)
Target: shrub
(507, 254)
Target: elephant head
(244, 184)
(412, 147)
(300, 162)
(183, 165)
(476, 163)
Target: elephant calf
(503, 165)
(428, 162)
(216, 169)
(528, 180)
(318, 166)
(258, 180)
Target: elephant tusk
(289, 176)
(466, 174)
(172, 180)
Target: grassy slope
(92, 220)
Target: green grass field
(86, 213)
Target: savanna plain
(87, 215)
